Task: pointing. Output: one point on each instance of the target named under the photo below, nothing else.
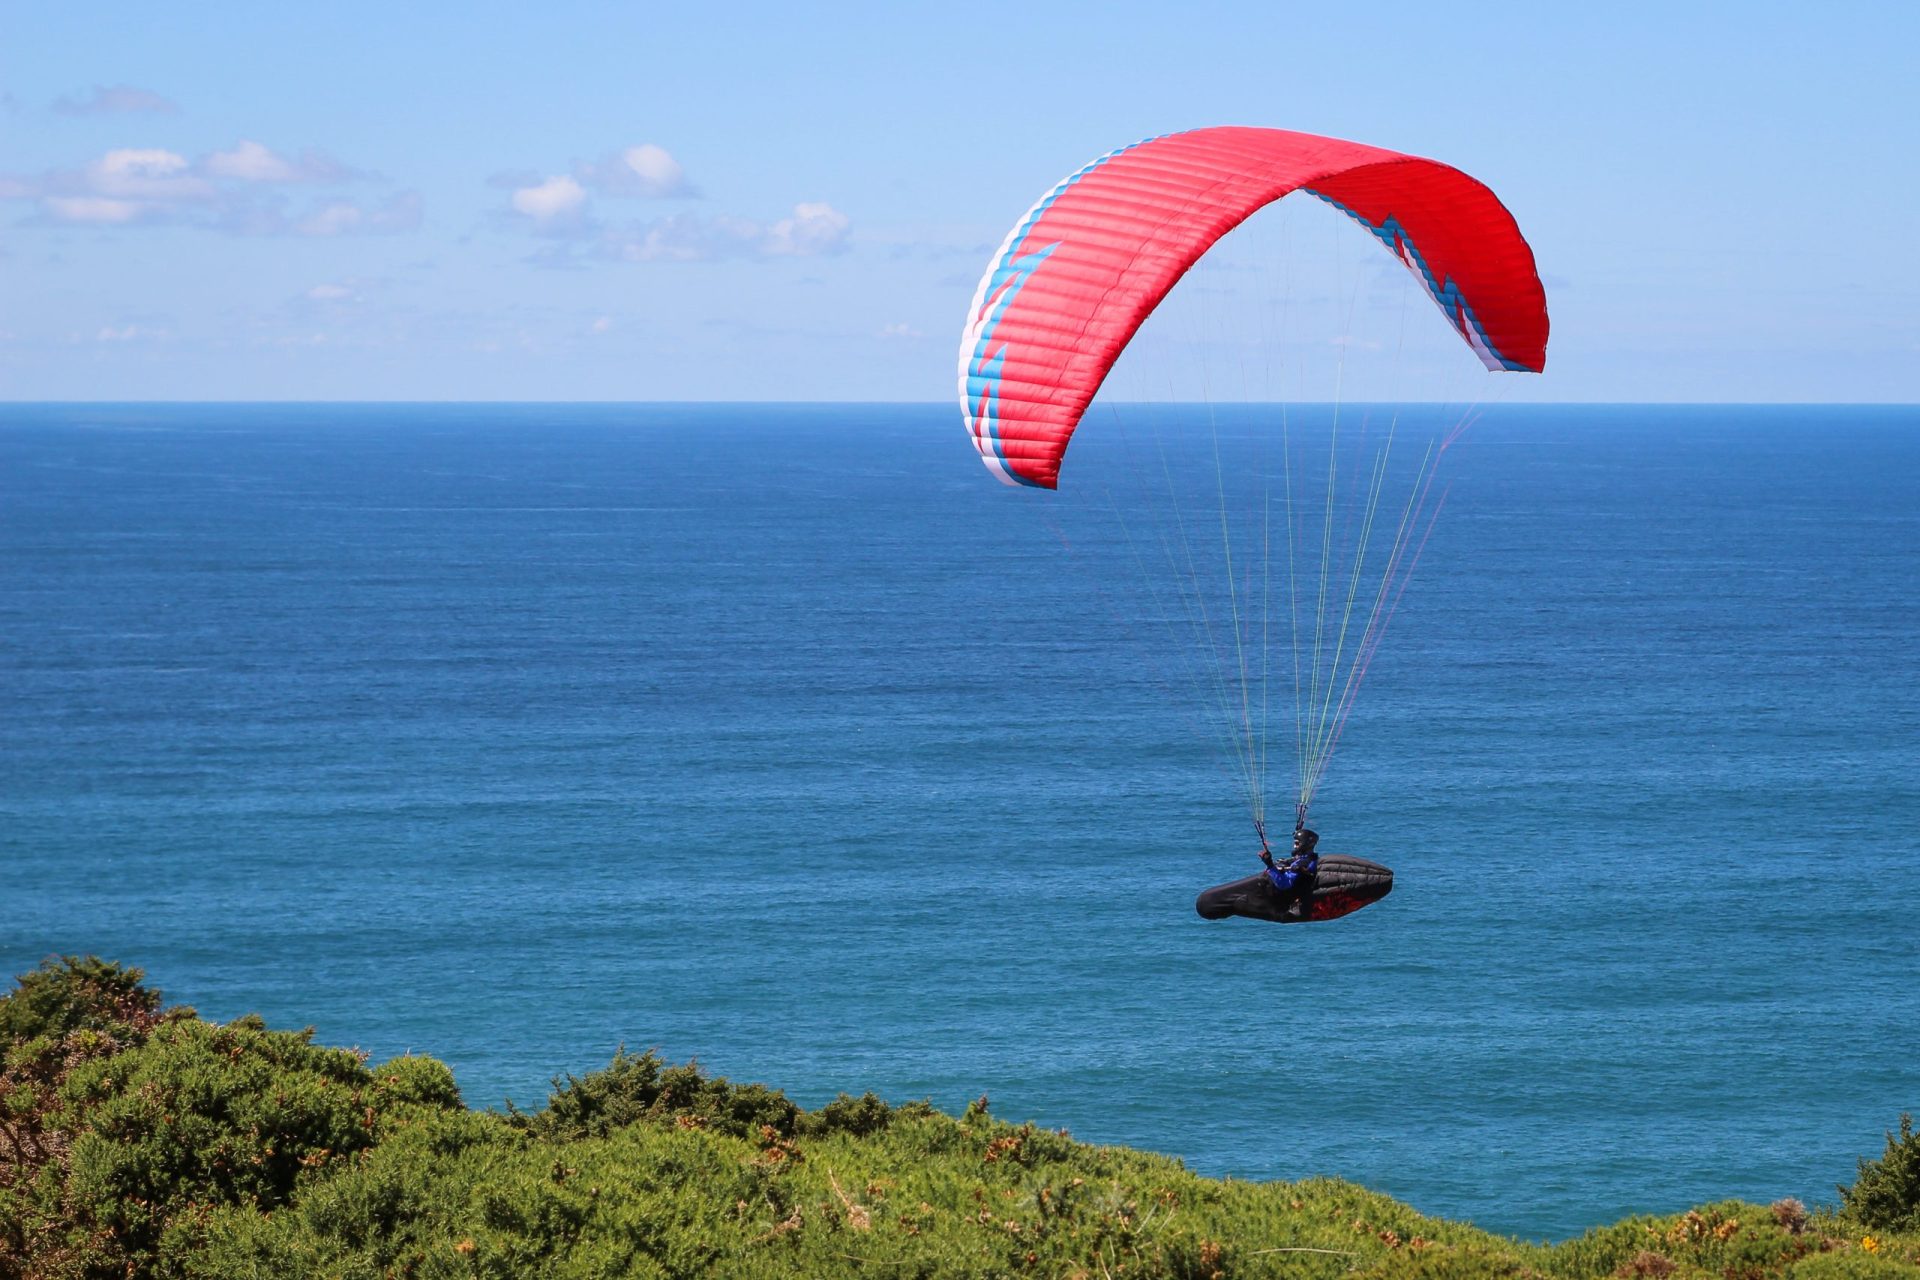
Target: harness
(1294, 873)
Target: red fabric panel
(1128, 228)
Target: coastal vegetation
(142, 1140)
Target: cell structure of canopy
(1081, 271)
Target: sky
(755, 201)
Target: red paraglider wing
(1079, 273)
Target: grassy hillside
(138, 1140)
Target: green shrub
(168, 1146)
(76, 993)
(1480, 1263)
(417, 1081)
(635, 1088)
(1729, 1239)
(69, 1012)
(861, 1116)
(155, 1137)
(1886, 1193)
(400, 1209)
(1852, 1264)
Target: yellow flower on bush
(1870, 1244)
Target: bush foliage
(140, 1141)
(1886, 1194)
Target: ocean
(781, 737)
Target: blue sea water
(783, 738)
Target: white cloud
(98, 210)
(330, 293)
(602, 323)
(344, 217)
(556, 199)
(899, 329)
(117, 100)
(127, 333)
(225, 191)
(331, 219)
(558, 208)
(149, 173)
(685, 239)
(655, 171)
(250, 162)
(149, 162)
(647, 171)
(813, 229)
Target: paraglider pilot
(1288, 875)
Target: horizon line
(944, 402)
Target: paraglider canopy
(1067, 292)
(1091, 260)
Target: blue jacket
(1287, 872)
